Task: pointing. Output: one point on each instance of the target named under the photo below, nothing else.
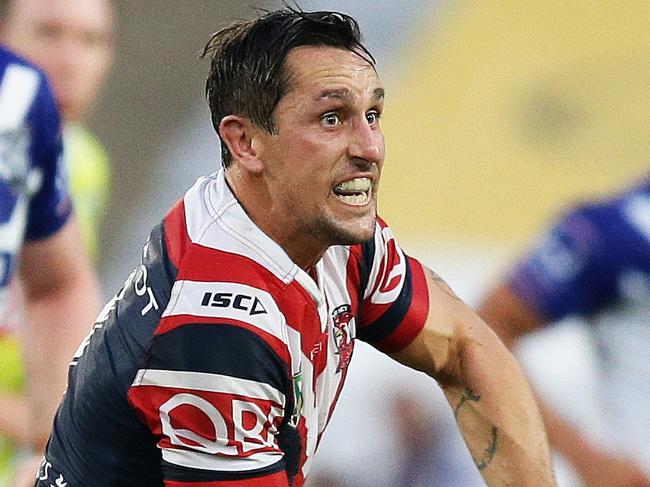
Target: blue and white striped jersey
(34, 202)
(595, 263)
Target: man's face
(323, 163)
(72, 40)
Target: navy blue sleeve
(568, 271)
(50, 207)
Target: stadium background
(498, 115)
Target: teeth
(356, 185)
(354, 199)
(355, 192)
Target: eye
(331, 119)
(49, 32)
(373, 117)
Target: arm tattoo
(441, 283)
(468, 395)
(491, 450)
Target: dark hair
(247, 75)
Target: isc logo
(238, 301)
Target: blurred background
(498, 115)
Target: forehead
(314, 68)
(96, 14)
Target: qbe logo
(239, 427)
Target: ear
(238, 133)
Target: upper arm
(215, 388)
(409, 312)
(50, 205)
(56, 263)
(394, 301)
(569, 269)
(563, 273)
(52, 257)
(215, 396)
(450, 327)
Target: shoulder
(26, 98)
(8, 57)
(633, 206)
(19, 76)
(219, 279)
(608, 223)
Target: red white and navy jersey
(220, 361)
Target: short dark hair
(247, 75)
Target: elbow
(473, 354)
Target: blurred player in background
(593, 262)
(72, 41)
(41, 242)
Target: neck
(255, 198)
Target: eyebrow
(380, 94)
(344, 93)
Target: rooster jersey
(220, 361)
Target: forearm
(498, 416)
(568, 440)
(13, 418)
(491, 400)
(56, 324)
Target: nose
(72, 50)
(366, 143)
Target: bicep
(55, 262)
(450, 330)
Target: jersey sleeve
(395, 299)
(566, 272)
(50, 206)
(216, 388)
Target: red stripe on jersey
(278, 479)
(382, 223)
(170, 323)
(176, 238)
(416, 316)
(214, 265)
(299, 479)
(354, 277)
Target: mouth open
(355, 192)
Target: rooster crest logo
(343, 321)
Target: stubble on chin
(335, 233)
